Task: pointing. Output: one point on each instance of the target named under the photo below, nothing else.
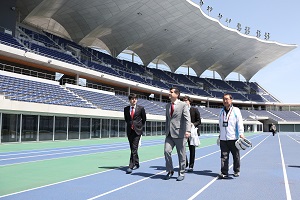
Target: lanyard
(227, 117)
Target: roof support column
(77, 79)
(113, 53)
(255, 127)
(128, 91)
(132, 57)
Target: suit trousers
(192, 149)
(179, 143)
(226, 148)
(133, 139)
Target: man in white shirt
(231, 128)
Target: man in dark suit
(178, 129)
(196, 120)
(135, 117)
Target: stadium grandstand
(61, 76)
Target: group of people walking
(180, 117)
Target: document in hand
(194, 139)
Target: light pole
(209, 9)
(239, 27)
(247, 30)
(258, 34)
(201, 3)
(228, 21)
(267, 36)
(220, 16)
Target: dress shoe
(190, 170)
(223, 176)
(236, 174)
(169, 175)
(135, 167)
(129, 171)
(180, 178)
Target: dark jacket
(195, 116)
(273, 128)
(138, 121)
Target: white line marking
(64, 152)
(70, 180)
(124, 186)
(294, 139)
(53, 184)
(36, 151)
(212, 181)
(33, 161)
(96, 174)
(286, 181)
(85, 175)
(64, 156)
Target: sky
(281, 19)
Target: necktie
(172, 109)
(132, 114)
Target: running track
(269, 170)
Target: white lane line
(133, 183)
(33, 161)
(36, 151)
(124, 186)
(64, 152)
(70, 180)
(53, 184)
(94, 174)
(212, 181)
(294, 139)
(286, 181)
(155, 142)
(2, 165)
(68, 150)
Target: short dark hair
(176, 91)
(188, 98)
(230, 96)
(132, 96)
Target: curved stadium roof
(174, 31)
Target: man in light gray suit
(178, 129)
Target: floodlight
(228, 21)
(258, 33)
(220, 16)
(201, 2)
(247, 30)
(267, 36)
(239, 27)
(209, 9)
